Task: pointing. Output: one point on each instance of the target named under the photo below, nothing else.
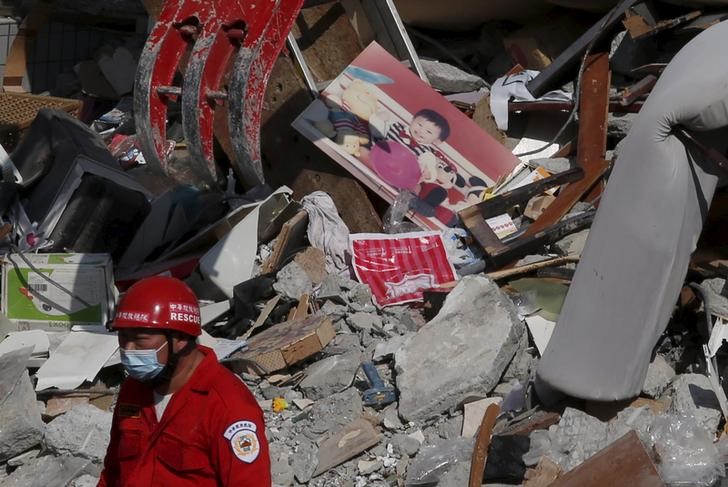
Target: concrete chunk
(365, 321)
(292, 281)
(50, 471)
(81, 432)
(718, 295)
(693, 396)
(330, 375)
(21, 426)
(462, 352)
(659, 376)
(333, 412)
(577, 437)
(448, 78)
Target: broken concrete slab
(717, 295)
(350, 441)
(293, 281)
(692, 395)
(367, 467)
(388, 349)
(343, 343)
(577, 437)
(330, 290)
(85, 481)
(573, 244)
(520, 366)
(305, 459)
(333, 412)
(391, 419)
(23, 458)
(451, 427)
(404, 445)
(358, 293)
(81, 432)
(50, 471)
(21, 426)
(330, 375)
(462, 352)
(449, 79)
(281, 468)
(364, 321)
(659, 376)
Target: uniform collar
(201, 377)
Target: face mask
(142, 364)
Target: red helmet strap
(173, 358)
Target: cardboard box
(33, 303)
(285, 344)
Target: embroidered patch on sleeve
(243, 440)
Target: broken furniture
(500, 253)
(647, 225)
(73, 189)
(591, 147)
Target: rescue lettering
(186, 317)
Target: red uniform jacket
(212, 433)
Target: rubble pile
(486, 255)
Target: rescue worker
(181, 418)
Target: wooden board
(539, 421)
(291, 237)
(474, 216)
(624, 462)
(352, 440)
(286, 343)
(482, 442)
(591, 142)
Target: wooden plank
(624, 462)
(352, 440)
(525, 269)
(291, 236)
(483, 234)
(267, 309)
(301, 311)
(482, 442)
(539, 421)
(566, 106)
(527, 244)
(567, 60)
(591, 142)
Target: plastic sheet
(435, 460)
(686, 454)
(457, 248)
(394, 218)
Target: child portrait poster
(393, 132)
